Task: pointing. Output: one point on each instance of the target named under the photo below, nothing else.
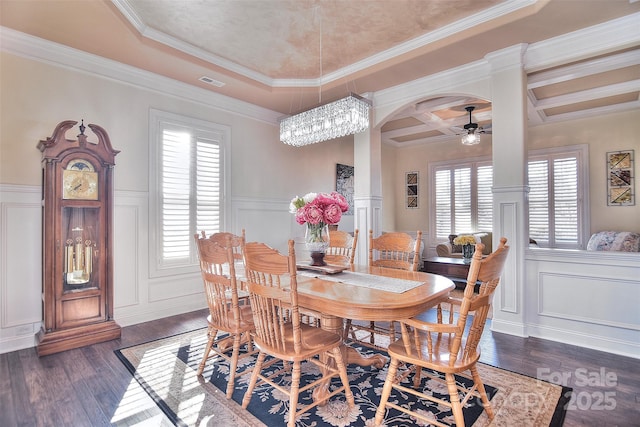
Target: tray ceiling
(290, 55)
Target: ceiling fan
(471, 134)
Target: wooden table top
(362, 303)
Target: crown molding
(610, 36)
(502, 9)
(41, 50)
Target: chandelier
(343, 117)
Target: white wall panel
(264, 221)
(21, 266)
(593, 299)
(584, 298)
(126, 256)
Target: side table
(453, 268)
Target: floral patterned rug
(166, 369)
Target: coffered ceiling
(290, 55)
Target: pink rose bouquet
(319, 208)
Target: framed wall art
(620, 178)
(412, 190)
(344, 184)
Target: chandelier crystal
(343, 117)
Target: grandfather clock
(77, 243)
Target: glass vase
(317, 241)
(467, 252)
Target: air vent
(209, 80)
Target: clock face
(80, 181)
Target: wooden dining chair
(395, 250)
(342, 247)
(449, 347)
(391, 250)
(236, 242)
(226, 314)
(280, 333)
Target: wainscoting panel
(611, 309)
(585, 298)
(20, 266)
(126, 258)
(509, 298)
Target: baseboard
(593, 342)
(9, 344)
(154, 313)
(511, 328)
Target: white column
(509, 126)
(367, 188)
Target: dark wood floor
(91, 387)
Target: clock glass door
(81, 247)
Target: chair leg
(249, 341)
(347, 329)
(254, 379)
(483, 393)
(416, 376)
(372, 327)
(386, 391)
(456, 407)
(392, 332)
(211, 334)
(293, 394)
(342, 369)
(237, 339)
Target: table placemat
(388, 284)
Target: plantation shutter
(485, 198)
(208, 185)
(565, 184)
(554, 200)
(462, 191)
(191, 190)
(443, 203)
(463, 199)
(176, 163)
(538, 172)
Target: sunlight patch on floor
(174, 381)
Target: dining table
(363, 292)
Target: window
(463, 198)
(557, 206)
(189, 172)
(558, 196)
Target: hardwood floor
(91, 387)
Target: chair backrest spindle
(395, 250)
(342, 247)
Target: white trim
(616, 34)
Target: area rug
(166, 369)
